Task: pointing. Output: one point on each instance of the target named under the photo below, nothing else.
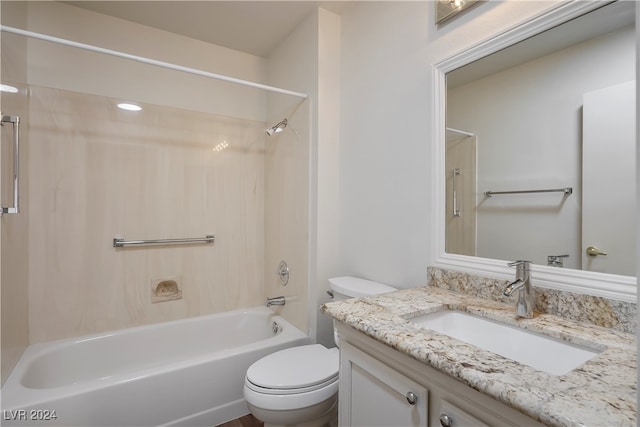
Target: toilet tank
(353, 287)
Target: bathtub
(184, 373)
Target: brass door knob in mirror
(593, 251)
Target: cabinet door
(372, 394)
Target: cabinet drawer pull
(445, 421)
(411, 398)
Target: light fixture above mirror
(447, 9)
(616, 286)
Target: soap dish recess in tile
(165, 290)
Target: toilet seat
(279, 392)
(293, 378)
(302, 368)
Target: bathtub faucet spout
(275, 301)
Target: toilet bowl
(280, 390)
(298, 386)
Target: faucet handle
(556, 260)
(518, 263)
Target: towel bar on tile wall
(119, 243)
(566, 190)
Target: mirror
(538, 137)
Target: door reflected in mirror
(548, 127)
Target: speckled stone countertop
(601, 392)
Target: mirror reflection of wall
(525, 106)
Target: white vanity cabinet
(373, 394)
(380, 386)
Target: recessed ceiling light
(129, 107)
(8, 89)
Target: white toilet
(298, 386)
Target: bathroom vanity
(396, 370)
(382, 387)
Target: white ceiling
(255, 27)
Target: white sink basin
(538, 351)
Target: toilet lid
(295, 368)
(355, 287)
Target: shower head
(278, 127)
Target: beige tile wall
(13, 228)
(97, 172)
(14, 258)
(287, 214)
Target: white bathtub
(183, 373)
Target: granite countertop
(600, 392)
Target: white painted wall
(327, 170)
(384, 136)
(388, 49)
(536, 144)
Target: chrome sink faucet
(525, 298)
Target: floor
(246, 421)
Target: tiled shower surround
(97, 172)
(599, 311)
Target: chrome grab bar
(566, 190)
(119, 243)
(15, 121)
(456, 209)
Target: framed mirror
(521, 150)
